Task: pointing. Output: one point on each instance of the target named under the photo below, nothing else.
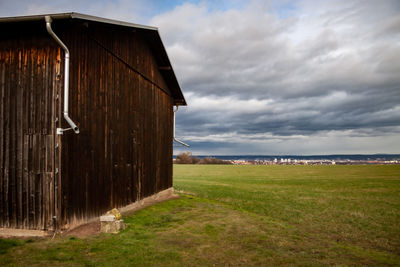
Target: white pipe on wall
(66, 76)
(176, 140)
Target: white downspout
(176, 140)
(66, 78)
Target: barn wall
(120, 102)
(123, 108)
(28, 82)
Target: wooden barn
(86, 118)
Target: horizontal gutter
(74, 15)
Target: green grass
(246, 215)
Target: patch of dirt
(89, 229)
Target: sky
(271, 77)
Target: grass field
(247, 215)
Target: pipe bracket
(60, 131)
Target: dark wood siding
(28, 80)
(120, 102)
(123, 108)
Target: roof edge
(75, 15)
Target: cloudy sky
(272, 77)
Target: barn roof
(151, 34)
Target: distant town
(289, 161)
(383, 159)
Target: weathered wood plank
(57, 198)
(25, 190)
(2, 149)
(19, 140)
(6, 143)
(12, 146)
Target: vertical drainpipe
(66, 78)
(176, 140)
(65, 111)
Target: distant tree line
(188, 158)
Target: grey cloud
(390, 29)
(238, 57)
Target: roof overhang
(151, 34)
